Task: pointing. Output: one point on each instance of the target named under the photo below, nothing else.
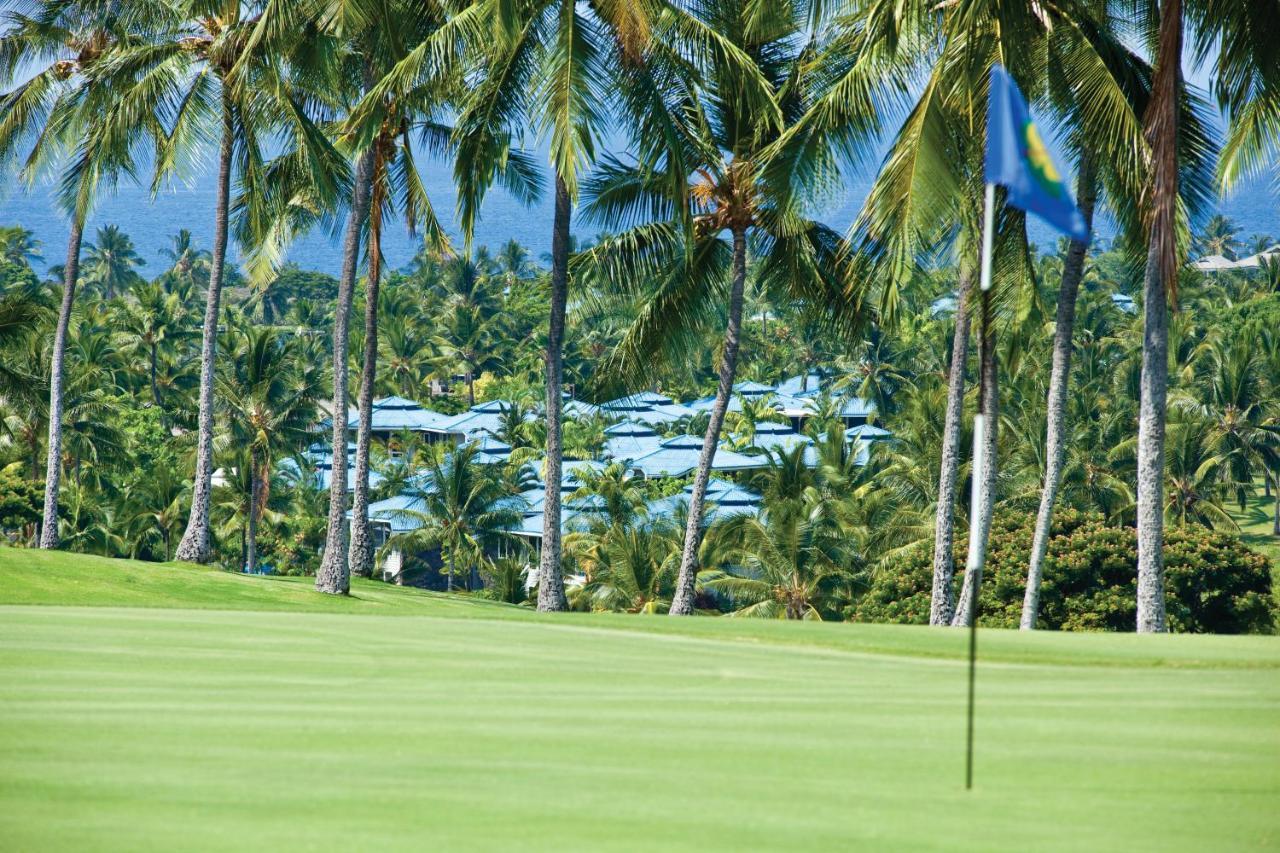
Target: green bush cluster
(1214, 582)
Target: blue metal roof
(631, 447)
(394, 414)
(631, 428)
(678, 457)
(795, 386)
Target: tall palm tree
(270, 405)
(68, 110)
(209, 74)
(690, 237)
(386, 126)
(1069, 59)
(1159, 283)
(1246, 66)
(550, 64)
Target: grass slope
(415, 722)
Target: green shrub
(1214, 583)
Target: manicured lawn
(1256, 525)
(399, 720)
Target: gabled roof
(580, 408)
(868, 432)
(395, 414)
(394, 402)
(636, 402)
(677, 457)
(1255, 261)
(630, 446)
(753, 389)
(631, 428)
(1212, 263)
(490, 449)
(398, 512)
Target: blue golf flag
(1018, 160)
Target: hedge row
(1214, 582)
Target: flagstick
(977, 553)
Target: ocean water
(150, 222)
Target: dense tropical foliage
(195, 411)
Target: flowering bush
(1213, 582)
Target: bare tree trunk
(990, 407)
(941, 607)
(194, 547)
(686, 582)
(53, 463)
(361, 555)
(550, 581)
(333, 576)
(1059, 379)
(1161, 279)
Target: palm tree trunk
(1160, 282)
(53, 464)
(989, 405)
(251, 537)
(1275, 521)
(361, 555)
(941, 606)
(194, 547)
(334, 576)
(1059, 378)
(686, 581)
(550, 581)
(155, 387)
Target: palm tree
(387, 126)
(1197, 472)
(467, 341)
(1220, 236)
(692, 237)
(785, 559)
(67, 110)
(148, 323)
(270, 405)
(1233, 399)
(109, 263)
(468, 509)
(1079, 69)
(157, 504)
(210, 73)
(553, 61)
(628, 568)
(19, 245)
(190, 264)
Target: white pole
(977, 550)
(977, 555)
(988, 236)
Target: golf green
(176, 729)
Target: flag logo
(1018, 160)
(1041, 163)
